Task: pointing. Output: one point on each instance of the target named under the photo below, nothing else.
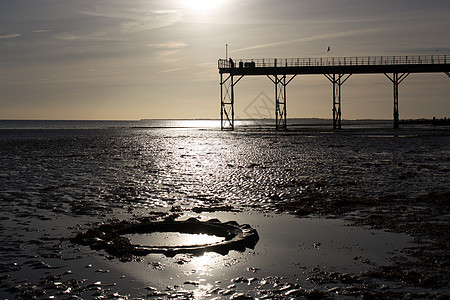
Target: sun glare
(202, 6)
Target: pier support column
(280, 100)
(396, 80)
(227, 101)
(337, 80)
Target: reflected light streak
(205, 262)
(202, 291)
(204, 266)
(196, 124)
(172, 239)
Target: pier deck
(335, 69)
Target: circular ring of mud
(109, 237)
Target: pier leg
(280, 100)
(227, 101)
(336, 102)
(396, 114)
(396, 80)
(337, 80)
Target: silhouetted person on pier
(231, 63)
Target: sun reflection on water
(204, 267)
(202, 291)
(205, 263)
(173, 239)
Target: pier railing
(334, 61)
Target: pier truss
(337, 80)
(280, 99)
(336, 69)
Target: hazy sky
(133, 59)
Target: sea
(162, 123)
(61, 177)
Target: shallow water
(56, 181)
(172, 239)
(288, 248)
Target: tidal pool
(288, 250)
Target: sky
(157, 59)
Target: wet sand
(356, 213)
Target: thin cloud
(127, 14)
(10, 36)
(165, 11)
(168, 45)
(170, 52)
(97, 36)
(310, 38)
(136, 19)
(171, 70)
(41, 30)
(68, 36)
(155, 19)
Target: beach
(357, 212)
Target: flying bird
(329, 49)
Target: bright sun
(202, 5)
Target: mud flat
(295, 257)
(292, 256)
(357, 213)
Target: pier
(281, 71)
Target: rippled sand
(54, 183)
